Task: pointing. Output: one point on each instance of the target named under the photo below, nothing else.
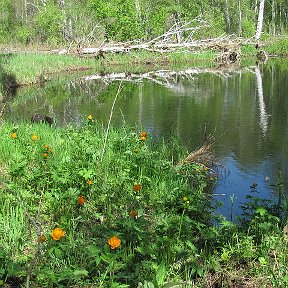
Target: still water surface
(246, 109)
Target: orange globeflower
(81, 200)
(42, 238)
(14, 135)
(114, 242)
(35, 137)
(57, 234)
(133, 213)
(143, 136)
(90, 182)
(137, 187)
(45, 155)
(89, 117)
(47, 148)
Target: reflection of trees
(262, 108)
(8, 83)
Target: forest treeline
(96, 21)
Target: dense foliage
(90, 21)
(87, 208)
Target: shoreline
(34, 67)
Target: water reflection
(233, 104)
(263, 114)
(8, 84)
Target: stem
(181, 222)
(109, 122)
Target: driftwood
(182, 35)
(203, 155)
(218, 44)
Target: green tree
(7, 20)
(49, 23)
(119, 18)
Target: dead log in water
(202, 155)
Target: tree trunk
(260, 20)
(67, 25)
(138, 10)
(240, 19)
(228, 22)
(273, 24)
(69, 22)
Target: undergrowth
(80, 211)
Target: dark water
(245, 108)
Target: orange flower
(14, 135)
(45, 155)
(81, 200)
(34, 137)
(133, 213)
(90, 182)
(137, 187)
(114, 242)
(47, 148)
(42, 238)
(57, 234)
(89, 117)
(143, 136)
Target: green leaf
(161, 274)
(191, 246)
(80, 273)
(260, 210)
(285, 278)
(262, 261)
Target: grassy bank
(87, 208)
(33, 67)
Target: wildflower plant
(114, 242)
(144, 215)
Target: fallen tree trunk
(164, 47)
(180, 36)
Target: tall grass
(34, 67)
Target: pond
(245, 108)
